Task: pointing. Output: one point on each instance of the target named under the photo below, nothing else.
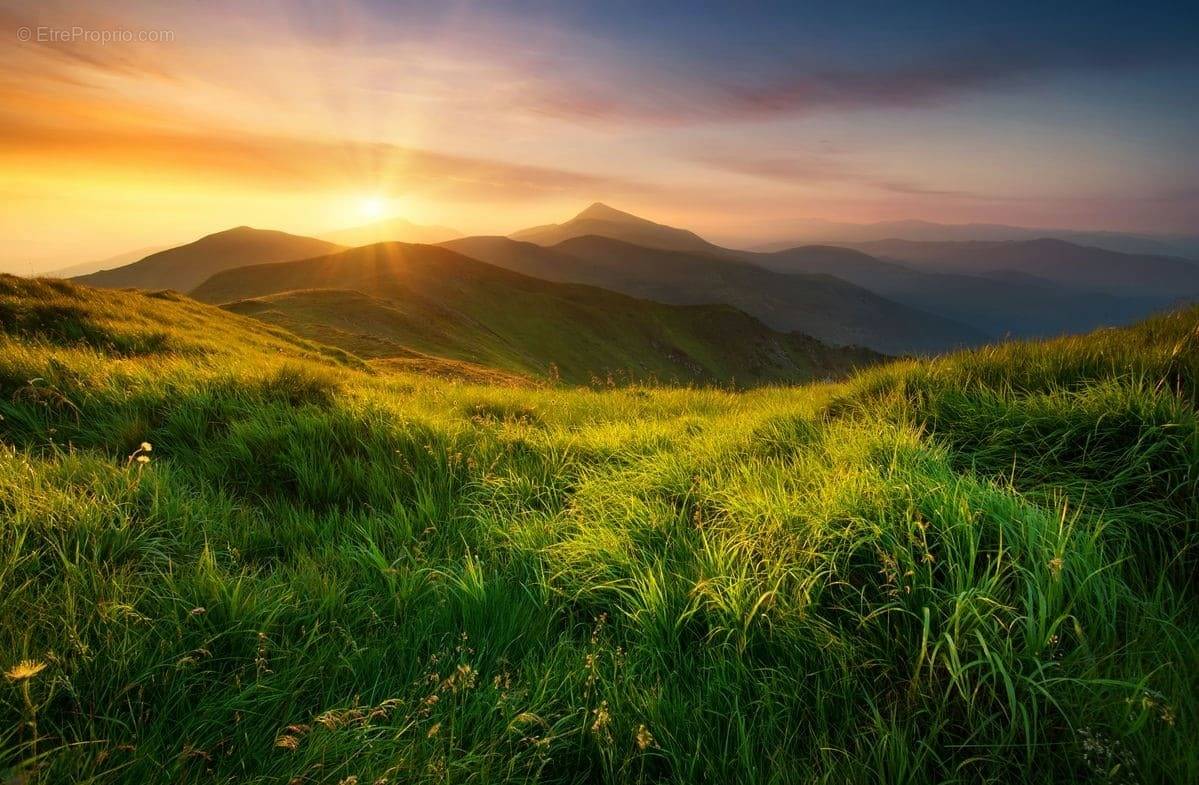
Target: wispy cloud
(671, 98)
(815, 169)
(290, 162)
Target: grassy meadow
(229, 554)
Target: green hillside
(975, 569)
(393, 300)
(186, 266)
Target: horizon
(139, 125)
(126, 256)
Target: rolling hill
(186, 266)
(1057, 261)
(823, 306)
(233, 555)
(399, 300)
(389, 230)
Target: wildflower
(1055, 565)
(644, 737)
(25, 669)
(434, 730)
(198, 611)
(350, 780)
(143, 459)
(146, 447)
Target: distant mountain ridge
(1057, 261)
(810, 231)
(1011, 294)
(397, 300)
(186, 266)
(109, 263)
(823, 306)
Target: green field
(979, 568)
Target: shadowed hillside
(232, 555)
(390, 300)
(186, 266)
(1031, 288)
(825, 307)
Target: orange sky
(488, 122)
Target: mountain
(186, 266)
(390, 230)
(823, 306)
(118, 260)
(397, 300)
(601, 220)
(837, 233)
(1008, 303)
(1025, 307)
(1057, 261)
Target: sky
(132, 124)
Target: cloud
(271, 161)
(816, 169)
(665, 98)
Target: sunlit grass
(979, 568)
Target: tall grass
(979, 568)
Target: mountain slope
(825, 307)
(390, 230)
(1053, 260)
(604, 221)
(184, 267)
(400, 300)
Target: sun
(372, 207)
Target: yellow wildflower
(25, 669)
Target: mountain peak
(602, 212)
(602, 220)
